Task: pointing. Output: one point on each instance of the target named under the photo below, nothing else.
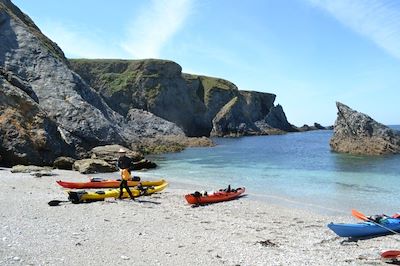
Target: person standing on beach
(124, 163)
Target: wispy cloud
(77, 42)
(144, 37)
(156, 25)
(378, 20)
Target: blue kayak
(366, 228)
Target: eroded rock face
(197, 104)
(27, 135)
(109, 102)
(153, 85)
(357, 133)
(146, 124)
(233, 120)
(276, 118)
(82, 116)
(47, 110)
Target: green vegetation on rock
(113, 75)
(151, 93)
(210, 83)
(114, 82)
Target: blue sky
(310, 53)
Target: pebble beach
(163, 229)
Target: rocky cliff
(200, 105)
(81, 114)
(27, 134)
(47, 109)
(153, 85)
(53, 107)
(357, 133)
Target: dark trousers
(124, 184)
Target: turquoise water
(296, 169)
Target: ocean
(295, 169)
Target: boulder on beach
(30, 168)
(92, 166)
(357, 133)
(109, 153)
(64, 163)
(143, 164)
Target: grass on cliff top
(98, 61)
(210, 83)
(115, 82)
(115, 74)
(106, 63)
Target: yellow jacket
(125, 174)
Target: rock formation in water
(357, 133)
(316, 126)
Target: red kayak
(103, 183)
(222, 195)
(393, 255)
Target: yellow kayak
(100, 183)
(89, 196)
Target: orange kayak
(197, 198)
(95, 183)
(393, 255)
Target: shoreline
(164, 230)
(276, 199)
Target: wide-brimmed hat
(122, 150)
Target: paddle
(56, 202)
(361, 216)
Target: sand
(164, 230)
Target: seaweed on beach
(267, 243)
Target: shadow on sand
(58, 202)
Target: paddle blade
(359, 215)
(56, 202)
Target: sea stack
(357, 133)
